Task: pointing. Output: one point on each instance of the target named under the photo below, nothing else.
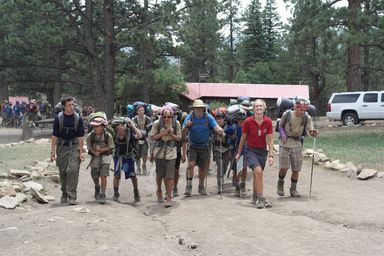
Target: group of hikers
(238, 137)
(15, 115)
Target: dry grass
(362, 145)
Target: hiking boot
(262, 203)
(294, 193)
(243, 190)
(102, 200)
(168, 202)
(202, 190)
(72, 201)
(237, 191)
(116, 196)
(188, 190)
(64, 199)
(97, 193)
(136, 195)
(160, 198)
(280, 188)
(175, 192)
(254, 198)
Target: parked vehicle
(353, 107)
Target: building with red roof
(223, 92)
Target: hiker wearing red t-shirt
(257, 135)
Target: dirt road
(341, 217)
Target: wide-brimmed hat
(98, 121)
(246, 105)
(198, 104)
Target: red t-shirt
(257, 134)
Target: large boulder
(366, 174)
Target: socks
(293, 184)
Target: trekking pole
(221, 170)
(313, 158)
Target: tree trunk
(109, 59)
(365, 73)
(4, 92)
(353, 51)
(95, 65)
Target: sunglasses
(165, 117)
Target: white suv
(353, 107)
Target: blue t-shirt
(199, 132)
(235, 128)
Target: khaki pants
(68, 162)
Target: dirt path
(342, 217)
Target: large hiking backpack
(147, 107)
(60, 116)
(103, 115)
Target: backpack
(103, 115)
(61, 121)
(146, 124)
(288, 118)
(160, 142)
(105, 134)
(127, 141)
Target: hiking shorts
(141, 150)
(102, 171)
(290, 157)
(165, 168)
(126, 165)
(199, 155)
(256, 157)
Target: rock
(4, 174)
(50, 198)
(31, 184)
(38, 196)
(8, 202)
(366, 174)
(193, 246)
(7, 191)
(181, 241)
(55, 218)
(16, 187)
(380, 175)
(19, 173)
(81, 210)
(42, 141)
(321, 157)
(55, 178)
(29, 140)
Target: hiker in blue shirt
(198, 126)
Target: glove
(283, 134)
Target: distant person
(294, 126)
(143, 122)
(257, 135)
(67, 148)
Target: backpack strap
(61, 120)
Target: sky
(281, 8)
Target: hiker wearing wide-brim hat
(198, 125)
(246, 105)
(293, 127)
(98, 121)
(198, 104)
(100, 145)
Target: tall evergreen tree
(199, 35)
